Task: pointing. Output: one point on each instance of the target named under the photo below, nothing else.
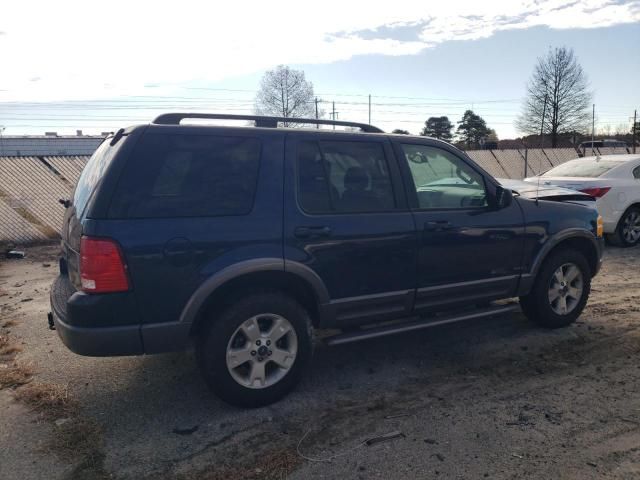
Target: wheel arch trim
(527, 279)
(211, 284)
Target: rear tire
(560, 291)
(256, 351)
(627, 232)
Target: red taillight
(596, 192)
(102, 268)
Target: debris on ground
(14, 375)
(399, 415)
(17, 254)
(61, 421)
(384, 438)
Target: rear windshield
(91, 175)
(582, 168)
(188, 176)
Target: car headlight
(599, 226)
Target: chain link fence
(30, 187)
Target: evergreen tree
(438, 127)
(472, 128)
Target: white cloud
(81, 49)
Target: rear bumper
(610, 215)
(107, 325)
(100, 341)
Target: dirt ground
(498, 398)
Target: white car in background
(614, 181)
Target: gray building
(49, 144)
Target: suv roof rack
(260, 121)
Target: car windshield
(582, 168)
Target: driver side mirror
(504, 197)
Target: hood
(544, 192)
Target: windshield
(582, 168)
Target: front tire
(560, 291)
(627, 232)
(256, 351)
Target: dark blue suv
(243, 240)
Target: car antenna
(544, 111)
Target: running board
(375, 332)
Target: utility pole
(333, 113)
(593, 128)
(544, 112)
(370, 109)
(2, 142)
(317, 124)
(635, 129)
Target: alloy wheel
(565, 289)
(631, 227)
(262, 350)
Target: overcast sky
(97, 66)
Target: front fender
(527, 279)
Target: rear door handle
(310, 232)
(438, 226)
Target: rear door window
(343, 177)
(188, 176)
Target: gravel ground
(497, 398)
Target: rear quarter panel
(170, 258)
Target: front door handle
(438, 226)
(310, 232)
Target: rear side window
(343, 177)
(91, 175)
(188, 176)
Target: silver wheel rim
(262, 350)
(631, 227)
(565, 289)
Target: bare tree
(558, 78)
(284, 92)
